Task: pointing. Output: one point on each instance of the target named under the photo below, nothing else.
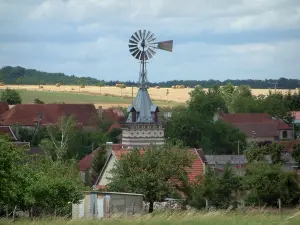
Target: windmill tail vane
(143, 46)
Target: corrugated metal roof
(224, 159)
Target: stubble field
(110, 96)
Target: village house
(258, 127)
(197, 169)
(31, 115)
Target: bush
(11, 96)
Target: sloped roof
(113, 114)
(262, 129)
(3, 107)
(244, 117)
(224, 159)
(27, 114)
(262, 123)
(86, 162)
(143, 106)
(6, 130)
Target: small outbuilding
(98, 204)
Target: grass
(48, 96)
(182, 218)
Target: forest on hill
(20, 75)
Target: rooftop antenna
(143, 46)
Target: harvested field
(164, 94)
(53, 96)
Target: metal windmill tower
(143, 46)
(142, 127)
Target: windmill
(143, 46)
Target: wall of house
(288, 132)
(106, 174)
(259, 139)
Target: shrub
(11, 96)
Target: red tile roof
(6, 130)
(86, 162)
(262, 129)
(113, 114)
(262, 123)
(3, 107)
(27, 114)
(244, 117)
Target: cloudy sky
(213, 39)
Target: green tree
(38, 101)
(189, 125)
(296, 154)
(227, 92)
(10, 163)
(243, 101)
(153, 173)
(12, 97)
(206, 103)
(56, 146)
(266, 183)
(258, 153)
(220, 191)
(196, 130)
(275, 105)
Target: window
(284, 134)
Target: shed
(98, 204)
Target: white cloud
(90, 37)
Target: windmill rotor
(143, 45)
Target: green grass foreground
(181, 218)
(28, 97)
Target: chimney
(108, 148)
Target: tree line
(20, 75)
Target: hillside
(20, 75)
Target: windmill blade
(132, 46)
(132, 42)
(148, 54)
(147, 35)
(134, 50)
(144, 34)
(151, 37)
(134, 38)
(151, 51)
(138, 55)
(140, 33)
(165, 45)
